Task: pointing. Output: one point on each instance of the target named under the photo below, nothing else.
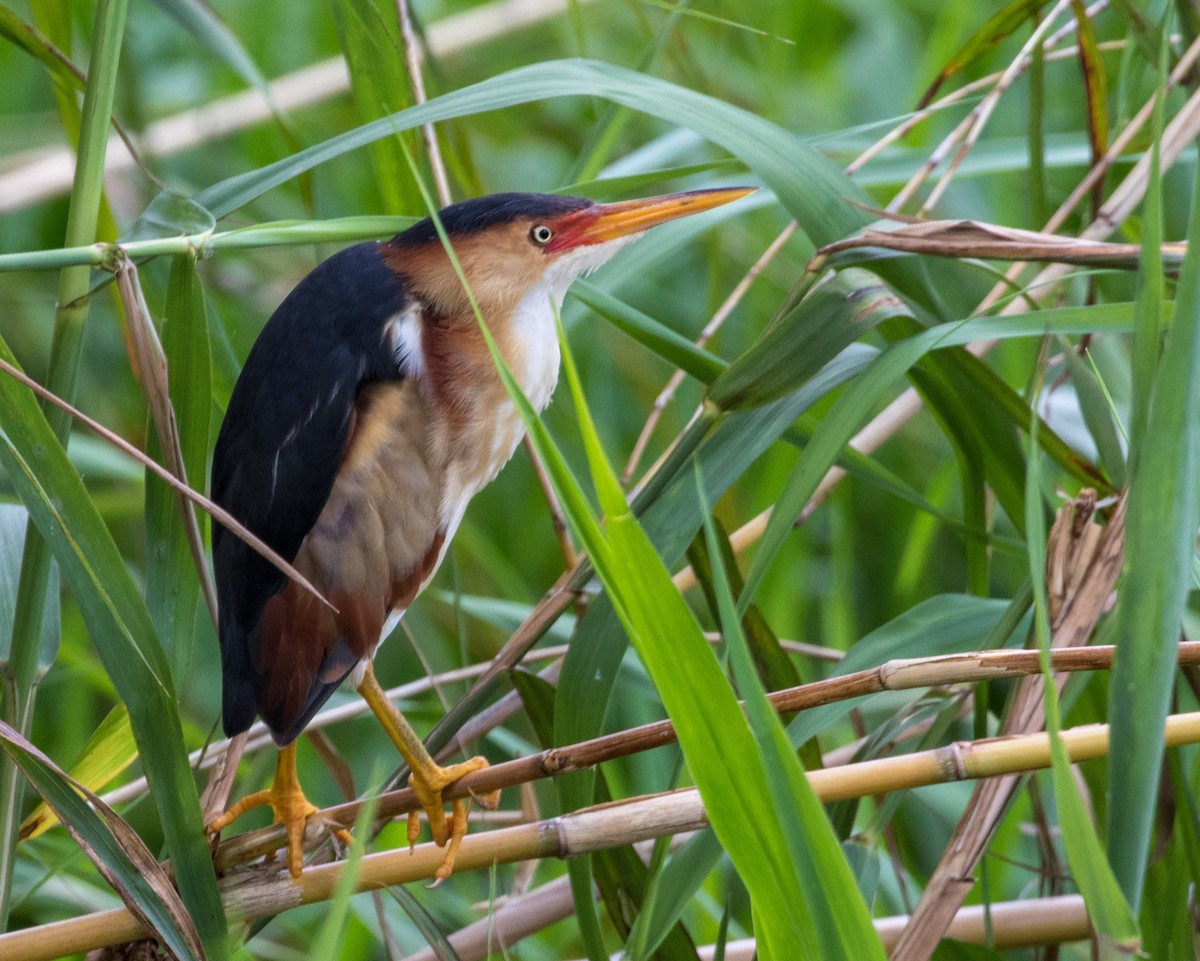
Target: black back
(283, 437)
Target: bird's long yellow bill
(609, 221)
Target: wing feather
(289, 420)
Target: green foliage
(932, 545)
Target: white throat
(536, 368)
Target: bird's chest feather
(420, 450)
(476, 427)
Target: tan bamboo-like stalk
(895, 675)
(593, 829)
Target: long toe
(458, 830)
(248, 803)
(448, 832)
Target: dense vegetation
(911, 429)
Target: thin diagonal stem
(412, 57)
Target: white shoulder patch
(403, 330)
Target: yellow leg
(292, 809)
(428, 778)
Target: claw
(428, 779)
(428, 785)
(291, 808)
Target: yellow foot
(292, 809)
(448, 832)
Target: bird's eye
(541, 234)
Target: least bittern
(368, 414)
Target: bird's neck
(459, 372)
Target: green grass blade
(826, 203)
(369, 34)
(172, 582)
(1147, 338)
(70, 318)
(833, 315)
(834, 904)
(650, 333)
(697, 697)
(728, 769)
(1107, 906)
(1160, 544)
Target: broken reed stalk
(252, 894)
(895, 675)
(151, 363)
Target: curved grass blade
(720, 753)
(826, 203)
(112, 845)
(124, 635)
(688, 678)
(1160, 545)
(108, 752)
(834, 902)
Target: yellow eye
(541, 235)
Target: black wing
(283, 437)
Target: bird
(368, 413)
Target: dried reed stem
(412, 58)
(558, 520)
(971, 126)
(152, 368)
